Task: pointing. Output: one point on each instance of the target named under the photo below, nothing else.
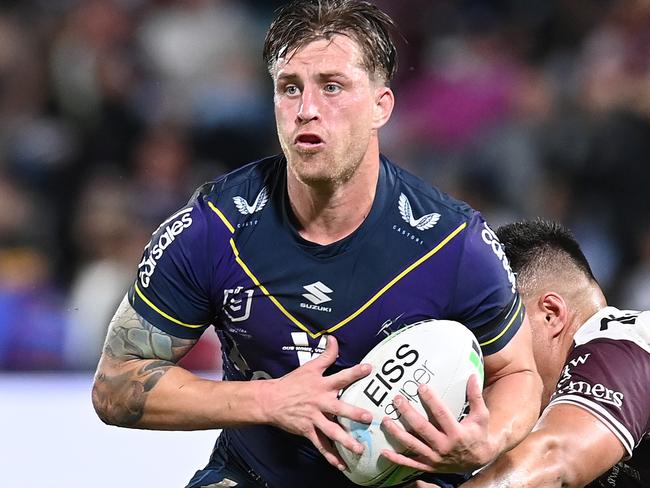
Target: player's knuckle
(305, 430)
(444, 450)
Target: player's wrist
(263, 391)
(495, 444)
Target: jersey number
(625, 319)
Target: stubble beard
(323, 170)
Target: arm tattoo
(136, 356)
(131, 336)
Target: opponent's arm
(512, 393)
(498, 418)
(569, 447)
(138, 384)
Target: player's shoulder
(422, 204)
(243, 192)
(246, 180)
(616, 324)
(418, 194)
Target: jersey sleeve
(609, 378)
(174, 283)
(485, 299)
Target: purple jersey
(607, 374)
(232, 259)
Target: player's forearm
(156, 394)
(514, 403)
(138, 383)
(539, 461)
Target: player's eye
(291, 90)
(332, 88)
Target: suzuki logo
(317, 293)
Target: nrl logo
(423, 223)
(259, 203)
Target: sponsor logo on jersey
(423, 223)
(386, 328)
(259, 203)
(596, 391)
(238, 331)
(173, 227)
(408, 233)
(491, 239)
(302, 348)
(613, 475)
(318, 294)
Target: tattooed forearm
(119, 399)
(136, 356)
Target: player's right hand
(306, 403)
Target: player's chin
(315, 176)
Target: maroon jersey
(608, 374)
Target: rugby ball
(440, 353)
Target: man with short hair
(595, 363)
(303, 262)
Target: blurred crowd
(113, 111)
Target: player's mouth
(308, 142)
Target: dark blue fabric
(226, 465)
(233, 258)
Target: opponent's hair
(537, 247)
(303, 21)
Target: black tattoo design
(136, 356)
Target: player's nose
(309, 105)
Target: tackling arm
(442, 444)
(569, 447)
(512, 392)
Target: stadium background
(113, 111)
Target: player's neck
(329, 213)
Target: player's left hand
(441, 443)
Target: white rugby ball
(440, 353)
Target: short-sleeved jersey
(607, 373)
(232, 258)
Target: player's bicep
(585, 447)
(485, 297)
(130, 336)
(515, 357)
(136, 356)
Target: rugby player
(595, 363)
(303, 262)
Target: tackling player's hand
(305, 402)
(441, 443)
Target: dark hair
(303, 21)
(535, 246)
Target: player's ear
(555, 311)
(384, 102)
